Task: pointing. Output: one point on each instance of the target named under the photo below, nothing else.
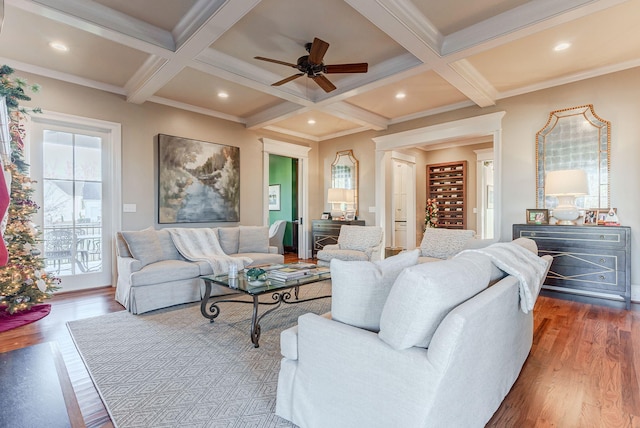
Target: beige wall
(141, 124)
(615, 98)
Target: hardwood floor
(583, 369)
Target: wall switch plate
(129, 208)
(372, 209)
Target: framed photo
(537, 216)
(350, 215)
(274, 197)
(324, 216)
(608, 217)
(591, 217)
(198, 182)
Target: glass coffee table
(280, 291)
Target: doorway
(300, 224)
(283, 179)
(403, 201)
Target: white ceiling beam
(218, 22)
(357, 115)
(64, 77)
(275, 114)
(196, 109)
(93, 17)
(398, 19)
(529, 18)
(227, 67)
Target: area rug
(18, 319)
(172, 368)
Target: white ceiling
(442, 54)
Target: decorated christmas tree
(23, 279)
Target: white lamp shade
(566, 182)
(349, 196)
(336, 196)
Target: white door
(71, 164)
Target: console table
(594, 261)
(325, 232)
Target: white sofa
(444, 352)
(152, 274)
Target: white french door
(72, 162)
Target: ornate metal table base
(210, 309)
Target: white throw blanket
(526, 266)
(201, 244)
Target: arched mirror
(344, 174)
(575, 138)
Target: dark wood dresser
(593, 261)
(325, 232)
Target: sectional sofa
(152, 274)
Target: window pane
(87, 159)
(57, 155)
(58, 203)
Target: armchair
(355, 243)
(276, 234)
(441, 244)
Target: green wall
(283, 171)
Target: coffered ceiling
(441, 55)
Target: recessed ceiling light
(59, 46)
(400, 95)
(311, 122)
(561, 46)
(223, 94)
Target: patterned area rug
(172, 368)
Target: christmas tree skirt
(18, 319)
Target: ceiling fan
(313, 67)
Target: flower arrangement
(431, 213)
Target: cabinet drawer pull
(601, 277)
(533, 234)
(601, 236)
(602, 260)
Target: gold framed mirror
(344, 174)
(575, 138)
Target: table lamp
(566, 185)
(336, 196)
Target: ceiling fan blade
(361, 67)
(323, 82)
(288, 79)
(317, 51)
(261, 58)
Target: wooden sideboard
(325, 232)
(594, 261)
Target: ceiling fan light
(311, 122)
(400, 95)
(223, 94)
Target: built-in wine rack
(447, 183)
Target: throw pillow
(169, 251)
(444, 243)
(424, 294)
(253, 239)
(144, 245)
(359, 289)
(229, 239)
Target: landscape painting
(198, 182)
